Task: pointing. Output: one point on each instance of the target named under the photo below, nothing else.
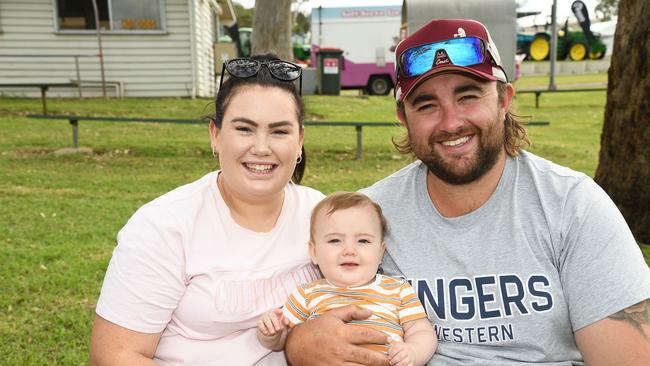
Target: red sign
(330, 66)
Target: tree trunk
(624, 166)
(272, 28)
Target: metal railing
(76, 65)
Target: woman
(195, 268)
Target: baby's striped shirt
(391, 300)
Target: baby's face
(348, 245)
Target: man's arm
(623, 338)
(328, 340)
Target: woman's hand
(329, 340)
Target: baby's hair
(342, 200)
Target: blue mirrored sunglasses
(465, 51)
(247, 67)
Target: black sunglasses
(247, 67)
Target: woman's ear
(214, 137)
(301, 141)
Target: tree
(244, 16)
(624, 165)
(272, 28)
(606, 9)
(301, 22)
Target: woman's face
(259, 141)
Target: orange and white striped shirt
(391, 300)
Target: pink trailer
(368, 36)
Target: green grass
(60, 214)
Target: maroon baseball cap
(442, 30)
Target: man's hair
(515, 135)
(341, 201)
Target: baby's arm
(419, 344)
(272, 330)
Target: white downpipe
(191, 4)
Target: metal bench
(74, 122)
(43, 86)
(358, 126)
(539, 92)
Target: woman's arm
(111, 344)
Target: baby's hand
(272, 323)
(400, 354)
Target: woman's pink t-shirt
(183, 266)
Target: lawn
(60, 213)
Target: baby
(347, 244)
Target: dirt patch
(73, 150)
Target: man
(516, 259)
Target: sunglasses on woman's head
(247, 67)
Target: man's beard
(490, 145)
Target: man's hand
(328, 340)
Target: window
(114, 15)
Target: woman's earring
(214, 153)
(299, 159)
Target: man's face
(455, 126)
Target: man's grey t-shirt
(548, 253)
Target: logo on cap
(461, 33)
(441, 58)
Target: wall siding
(148, 65)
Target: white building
(152, 48)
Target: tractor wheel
(578, 51)
(379, 85)
(540, 47)
(596, 55)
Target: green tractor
(578, 45)
(301, 47)
(572, 43)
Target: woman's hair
(514, 140)
(263, 78)
(340, 201)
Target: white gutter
(193, 51)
